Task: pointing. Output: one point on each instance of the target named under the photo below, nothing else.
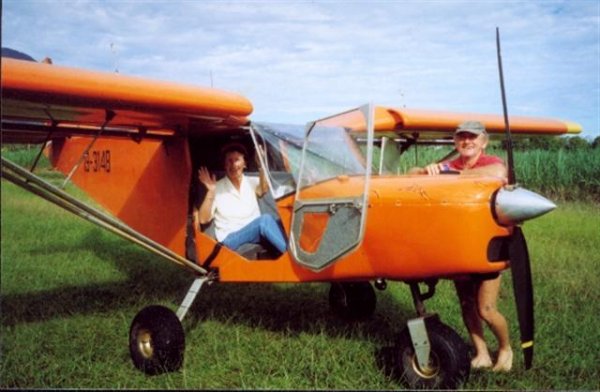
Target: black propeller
(518, 254)
(523, 291)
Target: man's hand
(436, 168)
(209, 180)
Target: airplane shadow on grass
(289, 309)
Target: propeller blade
(523, 291)
(512, 179)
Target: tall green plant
(24, 155)
(566, 174)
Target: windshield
(282, 145)
(330, 152)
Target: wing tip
(573, 127)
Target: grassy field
(69, 292)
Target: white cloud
(298, 60)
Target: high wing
(38, 99)
(430, 124)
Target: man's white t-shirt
(233, 209)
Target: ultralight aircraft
(135, 146)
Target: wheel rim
(144, 343)
(431, 371)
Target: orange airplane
(135, 147)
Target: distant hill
(15, 54)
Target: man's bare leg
(467, 294)
(487, 298)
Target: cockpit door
(330, 208)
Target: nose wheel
(429, 354)
(448, 365)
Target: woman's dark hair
(238, 147)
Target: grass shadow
(286, 309)
(146, 277)
(292, 308)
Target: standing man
(232, 203)
(478, 297)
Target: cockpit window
(330, 152)
(282, 145)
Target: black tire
(449, 359)
(156, 340)
(352, 300)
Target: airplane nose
(515, 205)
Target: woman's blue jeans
(263, 227)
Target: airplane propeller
(520, 264)
(523, 291)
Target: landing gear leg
(428, 353)
(191, 296)
(156, 336)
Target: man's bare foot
(505, 360)
(480, 362)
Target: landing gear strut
(156, 336)
(428, 353)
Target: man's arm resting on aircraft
(417, 170)
(495, 169)
(431, 169)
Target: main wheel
(156, 340)
(352, 300)
(449, 364)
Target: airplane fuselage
(417, 226)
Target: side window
(282, 148)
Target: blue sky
(302, 60)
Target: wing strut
(109, 116)
(29, 181)
(48, 136)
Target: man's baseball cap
(474, 127)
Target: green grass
(559, 174)
(69, 292)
